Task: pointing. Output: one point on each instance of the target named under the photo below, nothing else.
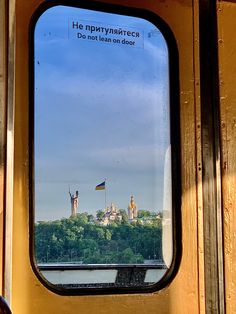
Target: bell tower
(132, 209)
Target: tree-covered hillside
(82, 239)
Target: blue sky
(101, 111)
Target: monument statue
(74, 199)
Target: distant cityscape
(112, 213)
(111, 236)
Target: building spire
(132, 209)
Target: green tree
(124, 215)
(78, 239)
(144, 213)
(100, 215)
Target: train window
(103, 159)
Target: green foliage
(84, 239)
(144, 213)
(100, 215)
(124, 215)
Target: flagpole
(105, 195)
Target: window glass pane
(102, 149)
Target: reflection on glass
(102, 134)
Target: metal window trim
(211, 160)
(175, 142)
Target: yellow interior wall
(227, 67)
(181, 296)
(2, 127)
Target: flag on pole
(101, 186)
